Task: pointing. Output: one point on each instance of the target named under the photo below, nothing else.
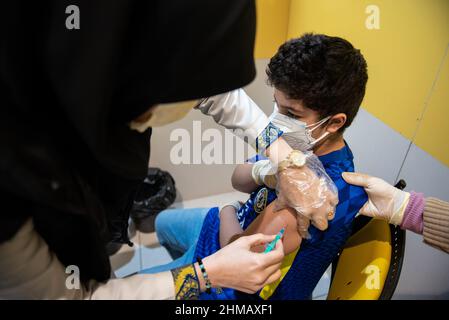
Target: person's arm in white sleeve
(236, 111)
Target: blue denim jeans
(178, 231)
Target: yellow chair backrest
(369, 265)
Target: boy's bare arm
(270, 222)
(229, 225)
(242, 179)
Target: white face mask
(297, 133)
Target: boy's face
(295, 109)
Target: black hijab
(67, 156)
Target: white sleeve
(236, 111)
(29, 270)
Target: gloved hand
(305, 187)
(263, 173)
(384, 201)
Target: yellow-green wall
(404, 57)
(433, 133)
(272, 26)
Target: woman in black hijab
(70, 164)
(75, 116)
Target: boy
(319, 84)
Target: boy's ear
(336, 122)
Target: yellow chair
(369, 265)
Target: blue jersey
(302, 269)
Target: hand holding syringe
(272, 244)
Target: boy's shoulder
(338, 161)
(335, 163)
(351, 198)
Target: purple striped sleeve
(413, 215)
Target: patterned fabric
(186, 282)
(316, 253)
(209, 243)
(267, 137)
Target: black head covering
(67, 156)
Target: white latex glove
(263, 173)
(384, 201)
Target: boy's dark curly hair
(326, 73)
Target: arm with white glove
(296, 188)
(247, 177)
(235, 110)
(411, 211)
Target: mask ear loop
(316, 125)
(321, 138)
